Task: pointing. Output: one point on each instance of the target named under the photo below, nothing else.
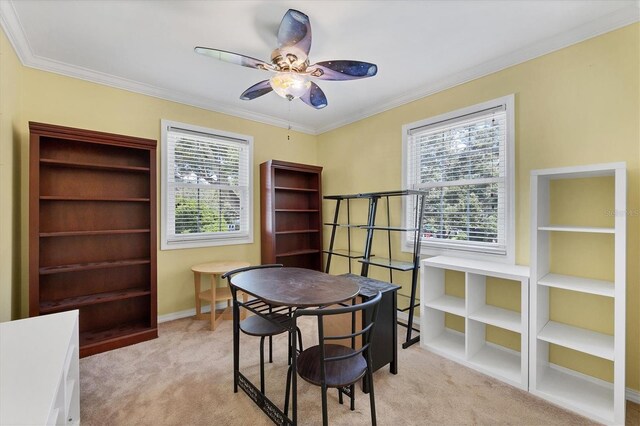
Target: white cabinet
(39, 371)
(472, 348)
(601, 400)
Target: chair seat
(255, 325)
(338, 373)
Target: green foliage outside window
(206, 197)
(466, 212)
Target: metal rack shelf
(367, 259)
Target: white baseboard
(181, 314)
(632, 395)
(188, 313)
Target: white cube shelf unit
(586, 395)
(471, 348)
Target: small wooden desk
(292, 287)
(215, 293)
(384, 343)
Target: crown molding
(13, 29)
(613, 21)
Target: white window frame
(510, 228)
(212, 240)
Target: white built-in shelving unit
(472, 348)
(586, 395)
(39, 370)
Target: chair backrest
(277, 316)
(229, 274)
(361, 330)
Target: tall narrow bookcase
(92, 233)
(554, 292)
(290, 211)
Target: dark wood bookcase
(291, 213)
(92, 233)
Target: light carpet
(185, 378)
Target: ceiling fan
(290, 62)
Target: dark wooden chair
(259, 325)
(330, 365)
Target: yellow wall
(9, 110)
(578, 105)
(51, 98)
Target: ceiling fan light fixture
(290, 60)
(290, 85)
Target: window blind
(461, 164)
(207, 186)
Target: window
(206, 187)
(463, 160)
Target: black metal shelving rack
(367, 258)
(348, 253)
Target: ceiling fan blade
(256, 90)
(342, 70)
(295, 32)
(315, 97)
(234, 58)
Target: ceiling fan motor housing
(290, 59)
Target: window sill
(426, 251)
(175, 245)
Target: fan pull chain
(289, 122)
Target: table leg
(393, 367)
(245, 299)
(197, 281)
(236, 341)
(294, 376)
(214, 320)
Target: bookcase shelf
(498, 317)
(58, 269)
(451, 304)
(92, 233)
(497, 361)
(89, 198)
(588, 396)
(290, 198)
(286, 188)
(582, 285)
(137, 330)
(471, 348)
(298, 231)
(296, 252)
(94, 166)
(576, 393)
(96, 232)
(90, 299)
(297, 210)
(579, 339)
(448, 343)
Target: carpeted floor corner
(185, 378)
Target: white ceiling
(420, 47)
